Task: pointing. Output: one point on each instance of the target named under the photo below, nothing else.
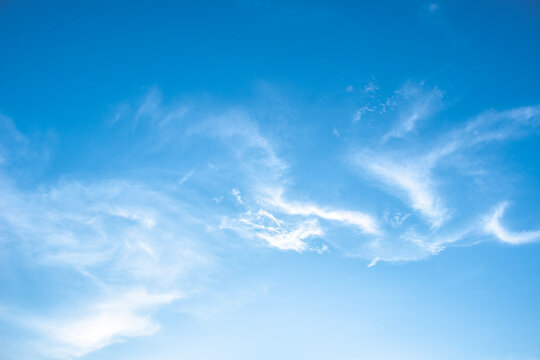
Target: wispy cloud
(150, 237)
(115, 234)
(103, 323)
(494, 227)
(412, 177)
(10, 138)
(396, 219)
(291, 224)
(364, 222)
(371, 87)
(256, 152)
(410, 171)
(186, 177)
(359, 114)
(267, 174)
(275, 233)
(412, 180)
(410, 245)
(153, 110)
(490, 126)
(294, 239)
(18, 148)
(124, 234)
(415, 104)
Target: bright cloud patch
(123, 316)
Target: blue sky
(269, 180)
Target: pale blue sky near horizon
(269, 179)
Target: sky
(259, 179)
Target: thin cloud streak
(111, 233)
(414, 181)
(416, 104)
(363, 221)
(494, 227)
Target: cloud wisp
(133, 248)
(494, 227)
(366, 223)
(412, 176)
(415, 104)
(107, 321)
(412, 181)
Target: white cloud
(238, 124)
(269, 176)
(396, 219)
(415, 104)
(371, 87)
(237, 195)
(494, 227)
(276, 233)
(413, 181)
(409, 245)
(294, 239)
(91, 225)
(123, 232)
(153, 110)
(490, 126)
(358, 115)
(186, 177)
(142, 217)
(13, 143)
(105, 322)
(412, 176)
(431, 244)
(118, 235)
(292, 233)
(499, 125)
(373, 262)
(365, 222)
